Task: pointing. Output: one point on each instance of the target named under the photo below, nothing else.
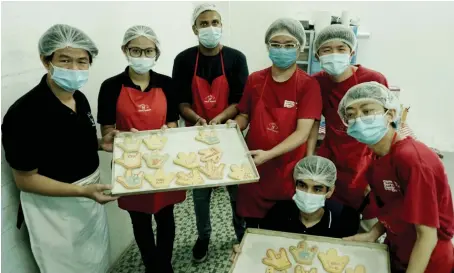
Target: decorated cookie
(300, 269)
(130, 160)
(242, 172)
(270, 269)
(191, 178)
(358, 269)
(155, 160)
(332, 263)
(189, 161)
(303, 254)
(159, 179)
(130, 144)
(211, 154)
(130, 180)
(207, 137)
(278, 261)
(155, 142)
(213, 171)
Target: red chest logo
(273, 127)
(210, 99)
(391, 186)
(143, 108)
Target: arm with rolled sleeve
(107, 107)
(309, 110)
(421, 209)
(182, 78)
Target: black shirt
(209, 68)
(111, 88)
(338, 221)
(40, 132)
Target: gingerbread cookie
(358, 269)
(155, 142)
(130, 160)
(332, 263)
(159, 179)
(155, 160)
(212, 171)
(269, 269)
(130, 144)
(242, 172)
(300, 269)
(211, 154)
(189, 161)
(278, 261)
(191, 178)
(130, 180)
(207, 137)
(303, 254)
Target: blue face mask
(210, 37)
(335, 64)
(68, 79)
(368, 130)
(283, 57)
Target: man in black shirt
(50, 141)
(309, 212)
(210, 78)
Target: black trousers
(157, 257)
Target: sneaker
(200, 250)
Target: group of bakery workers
(365, 180)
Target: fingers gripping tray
(180, 159)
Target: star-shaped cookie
(159, 179)
(129, 144)
(212, 171)
(208, 137)
(130, 160)
(130, 180)
(191, 178)
(155, 160)
(155, 142)
(189, 161)
(211, 154)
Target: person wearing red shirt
(409, 183)
(334, 47)
(280, 104)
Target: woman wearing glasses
(142, 99)
(280, 104)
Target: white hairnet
(316, 168)
(61, 36)
(137, 31)
(202, 8)
(335, 33)
(367, 91)
(286, 25)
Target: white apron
(67, 234)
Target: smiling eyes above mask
(368, 130)
(308, 202)
(335, 64)
(141, 65)
(283, 57)
(68, 79)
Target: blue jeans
(202, 199)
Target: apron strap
(364, 204)
(197, 63)
(222, 63)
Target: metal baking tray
(232, 144)
(374, 257)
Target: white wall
(410, 43)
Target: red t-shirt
(411, 188)
(307, 97)
(349, 186)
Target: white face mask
(210, 37)
(141, 65)
(309, 202)
(335, 64)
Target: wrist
(271, 154)
(82, 191)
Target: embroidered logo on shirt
(289, 104)
(210, 99)
(273, 127)
(93, 123)
(390, 186)
(144, 108)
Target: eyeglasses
(136, 52)
(286, 46)
(366, 118)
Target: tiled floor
(222, 237)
